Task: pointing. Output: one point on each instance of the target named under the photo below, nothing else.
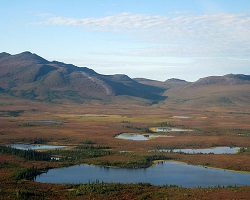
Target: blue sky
(155, 39)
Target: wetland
(208, 144)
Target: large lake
(162, 173)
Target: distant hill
(170, 83)
(230, 79)
(28, 75)
(231, 90)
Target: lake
(215, 150)
(135, 136)
(35, 146)
(171, 173)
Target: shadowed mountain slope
(28, 75)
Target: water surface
(182, 117)
(135, 136)
(35, 146)
(215, 150)
(44, 121)
(162, 173)
(170, 129)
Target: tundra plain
(93, 127)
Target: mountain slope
(229, 79)
(31, 76)
(170, 83)
(227, 91)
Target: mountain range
(28, 75)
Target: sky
(154, 39)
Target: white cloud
(182, 35)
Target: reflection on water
(162, 173)
(215, 150)
(35, 146)
(135, 136)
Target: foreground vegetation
(89, 132)
(109, 191)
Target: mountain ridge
(228, 79)
(31, 76)
(28, 75)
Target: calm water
(135, 136)
(182, 117)
(35, 146)
(160, 174)
(169, 129)
(44, 121)
(216, 150)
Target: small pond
(44, 121)
(94, 116)
(182, 117)
(170, 129)
(35, 146)
(215, 150)
(173, 173)
(135, 136)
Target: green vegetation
(26, 173)
(244, 150)
(124, 121)
(92, 147)
(88, 142)
(29, 141)
(26, 125)
(81, 152)
(136, 161)
(169, 124)
(26, 154)
(11, 113)
(145, 130)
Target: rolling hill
(170, 83)
(232, 90)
